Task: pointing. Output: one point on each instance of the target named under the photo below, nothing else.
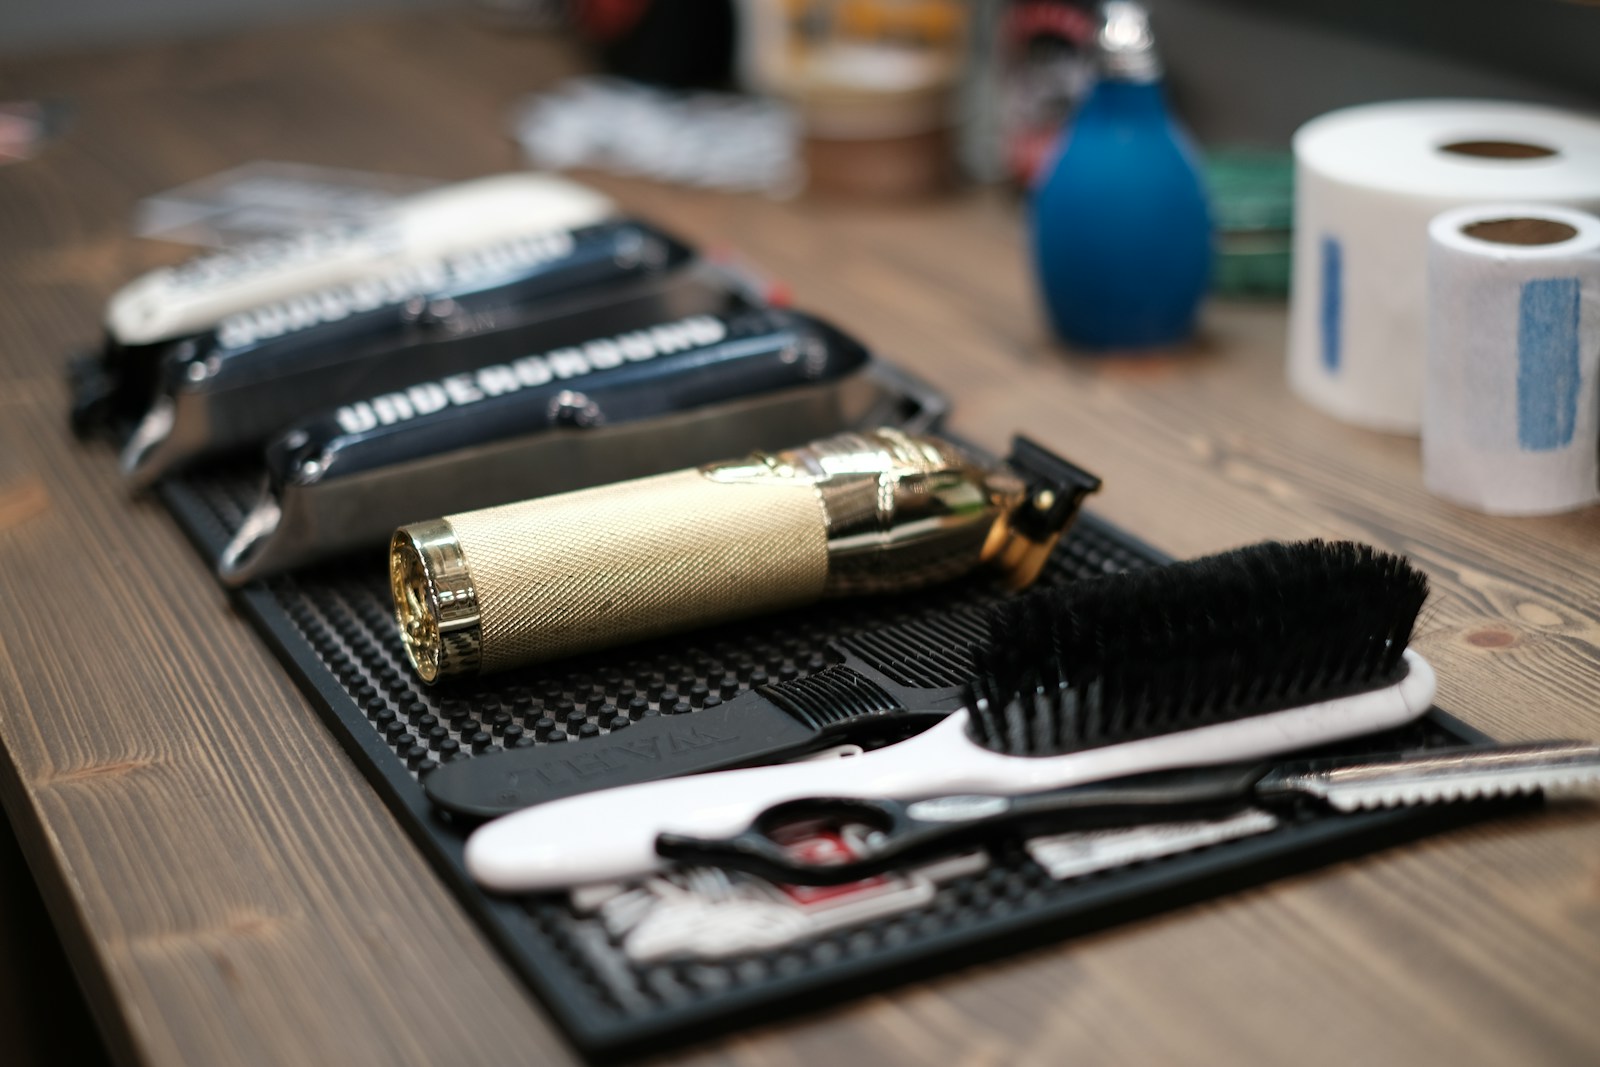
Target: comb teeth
(834, 695)
(1162, 649)
(930, 653)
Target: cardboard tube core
(1499, 149)
(1520, 231)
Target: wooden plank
(233, 893)
(233, 890)
(243, 891)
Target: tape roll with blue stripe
(1511, 419)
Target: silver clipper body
(261, 370)
(615, 407)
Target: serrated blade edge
(1456, 789)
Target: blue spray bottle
(1121, 231)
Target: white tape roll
(1368, 181)
(1511, 421)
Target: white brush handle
(611, 835)
(194, 296)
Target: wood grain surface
(229, 889)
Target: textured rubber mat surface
(631, 969)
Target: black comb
(886, 684)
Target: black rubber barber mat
(630, 969)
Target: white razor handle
(611, 835)
(194, 296)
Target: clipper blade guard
(874, 512)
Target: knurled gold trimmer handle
(559, 575)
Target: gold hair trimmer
(876, 512)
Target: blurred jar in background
(875, 85)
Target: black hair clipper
(260, 369)
(612, 407)
(922, 664)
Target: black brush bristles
(1155, 651)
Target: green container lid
(1252, 207)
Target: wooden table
(230, 890)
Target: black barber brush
(1249, 654)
